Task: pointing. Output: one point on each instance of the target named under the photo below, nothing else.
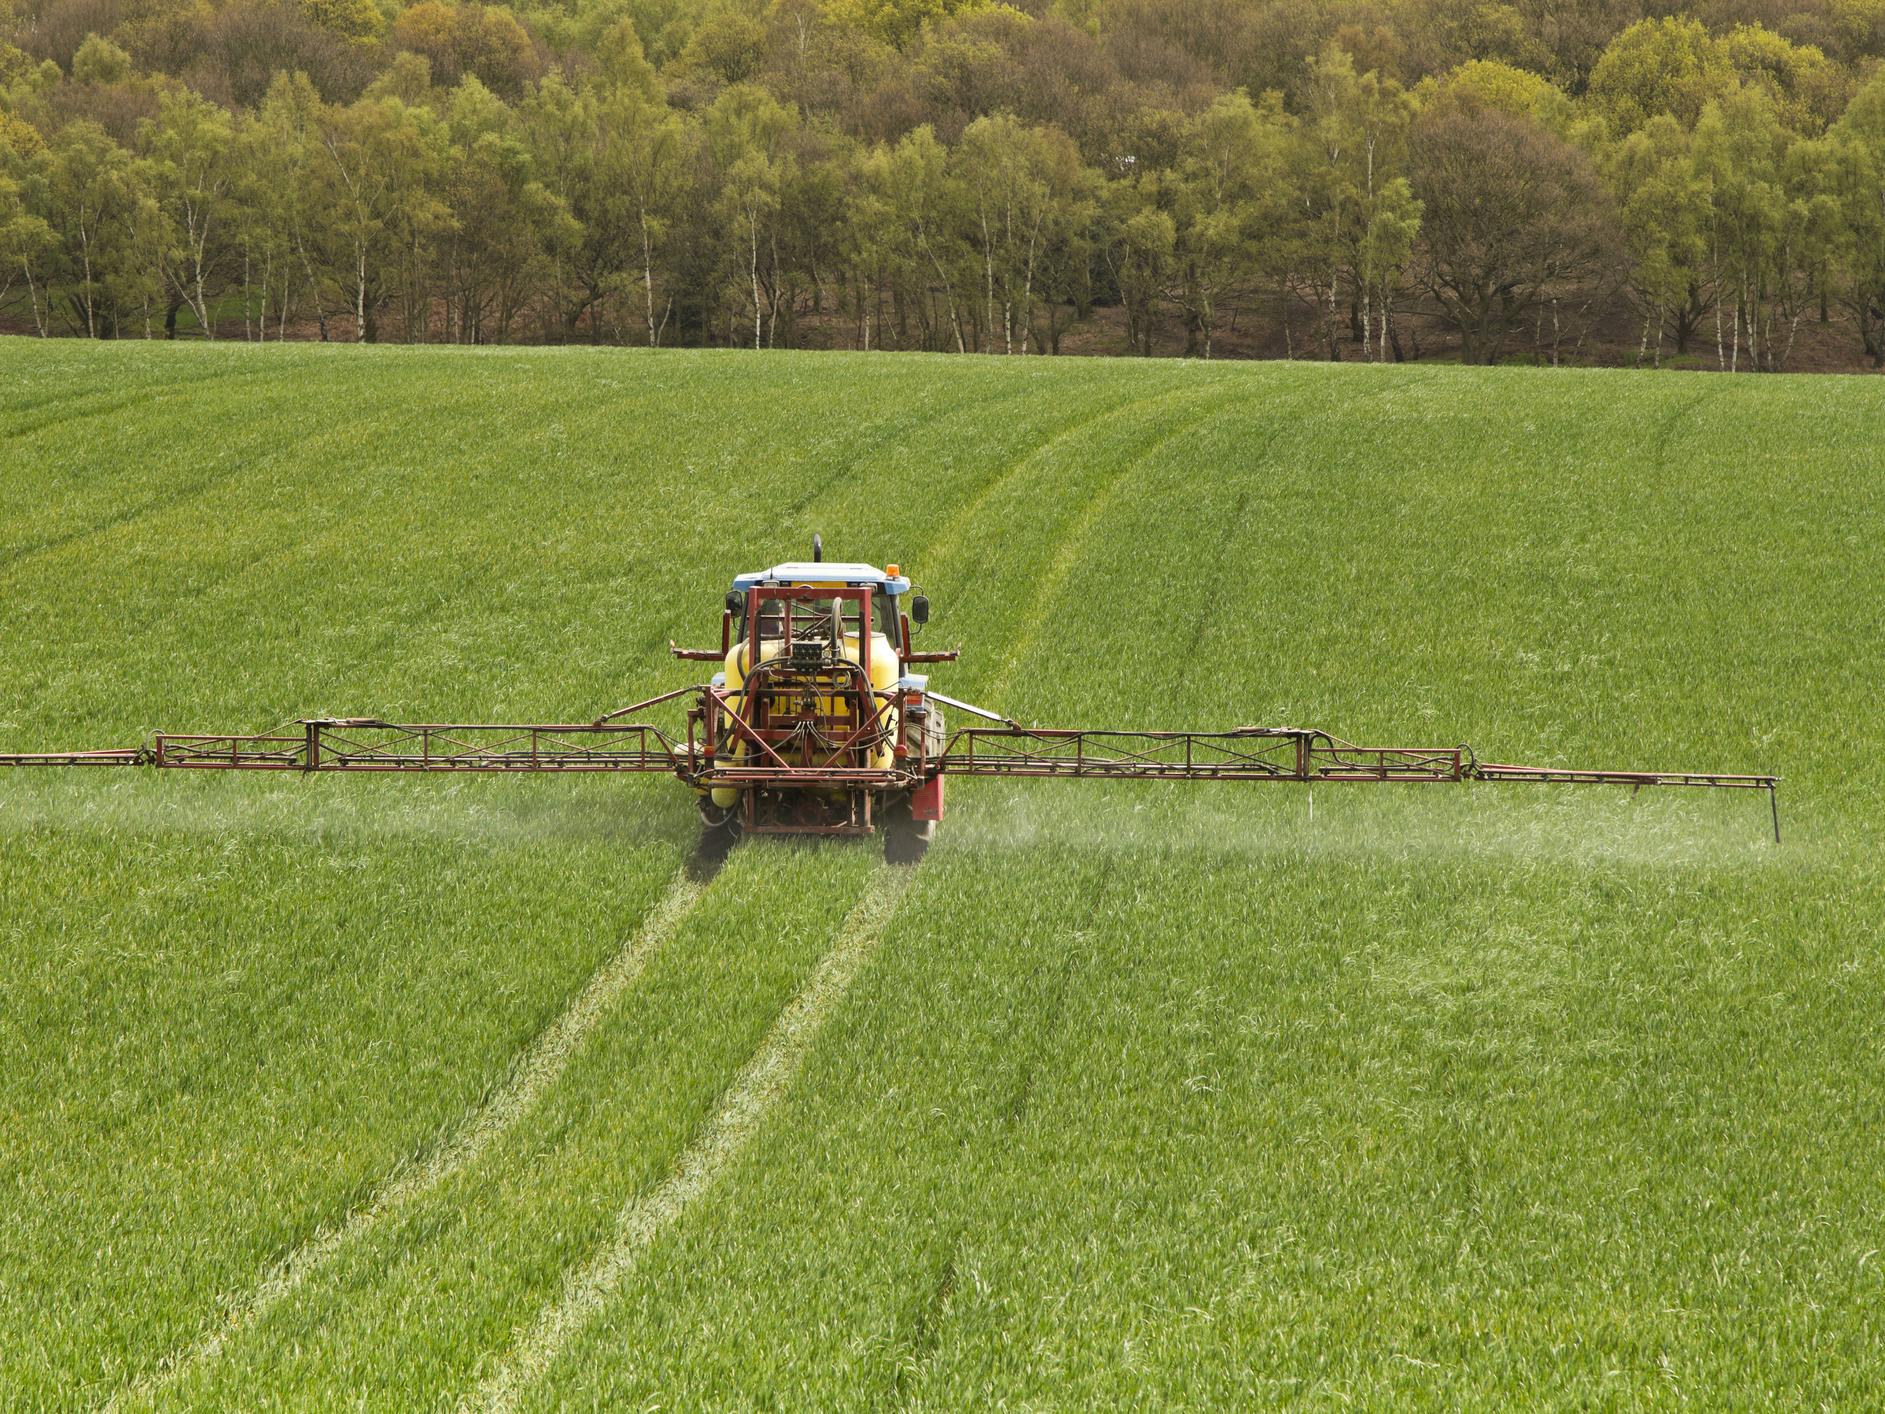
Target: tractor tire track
(1667, 425)
(169, 498)
(743, 1109)
(473, 576)
(390, 633)
(160, 499)
(905, 430)
(1232, 549)
(1073, 540)
(532, 1073)
(946, 541)
(926, 1325)
(60, 412)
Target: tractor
(815, 722)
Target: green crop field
(466, 1093)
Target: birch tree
(91, 191)
(1663, 209)
(654, 153)
(1022, 184)
(385, 159)
(1139, 257)
(26, 237)
(918, 189)
(495, 253)
(289, 229)
(191, 144)
(748, 128)
(1761, 234)
(1356, 204)
(1230, 193)
(573, 146)
(1860, 190)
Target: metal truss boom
(608, 744)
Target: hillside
(441, 1092)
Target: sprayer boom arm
(1272, 754)
(368, 744)
(329, 744)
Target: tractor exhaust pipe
(818, 549)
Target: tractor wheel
(720, 831)
(905, 839)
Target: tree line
(1363, 180)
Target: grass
(1152, 1095)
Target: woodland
(1553, 181)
